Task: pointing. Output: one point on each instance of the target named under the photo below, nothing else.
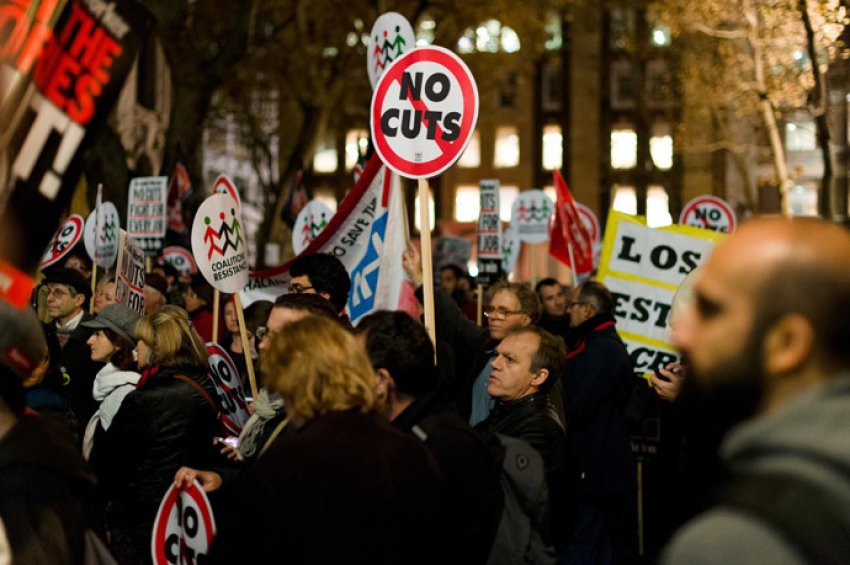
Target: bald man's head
(771, 310)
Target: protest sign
(391, 37)
(367, 234)
(643, 267)
(710, 213)
(146, 212)
(311, 220)
(510, 249)
(530, 216)
(231, 394)
(452, 251)
(424, 111)
(489, 233)
(223, 185)
(218, 244)
(101, 235)
(66, 237)
(184, 528)
(181, 259)
(63, 65)
(130, 275)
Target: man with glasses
(596, 383)
(321, 274)
(67, 295)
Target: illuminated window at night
(804, 200)
(431, 215)
(326, 197)
(356, 144)
(623, 149)
(550, 192)
(507, 147)
(325, 159)
(800, 136)
(507, 195)
(625, 199)
(657, 207)
(554, 37)
(552, 147)
(489, 37)
(661, 147)
(471, 157)
(467, 203)
(425, 32)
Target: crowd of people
(502, 443)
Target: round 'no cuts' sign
(424, 111)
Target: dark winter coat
(346, 488)
(46, 494)
(161, 426)
(596, 384)
(471, 474)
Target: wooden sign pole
(427, 268)
(246, 347)
(216, 306)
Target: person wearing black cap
(46, 489)
(68, 293)
(156, 293)
(113, 341)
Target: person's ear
(325, 295)
(540, 377)
(386, 384)
(788, 345)
(80, 300)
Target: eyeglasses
(299, 289)
(263, 333)
(500, 312)
(57, 292)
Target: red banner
(569, 231)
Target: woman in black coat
(167, 422)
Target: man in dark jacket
(68, 295)
(596, 384)
(553, 297)
(46, 489)
(419, 403)
(527, 364)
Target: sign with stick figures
(391, 38)
(218, 244)
(184, 528)
(530, 216)
(424, 111)
(309, 224)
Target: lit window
(623, 149)
(325, 159)
(552, 147)
(510, 40)
(550, 192)
(554, 37)
(507, 195)
(466, 43)
(489, 37)
(625, 199)
(467, 203)
(327, 198)
(661, 147)
(471, 157)
(804, 200)
(425, 32)
(660, 36)
(507, 147)
(800, 136)
(431, 216)
(657, 207)
(356, 143)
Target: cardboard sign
(181, 259)
(63, 65)
(311, 220)
(510, 249)
(709, 213)
(130, 275)
(223, 185)
(66, 237)
(146, 206)
(530, 216)
(424, 111)
(184, 528)
(219, 245)
(391, 37)
(231, 395)
(489, 233)
(643, 267)
(101, 235)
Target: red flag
(179, 192)
(568, 230)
